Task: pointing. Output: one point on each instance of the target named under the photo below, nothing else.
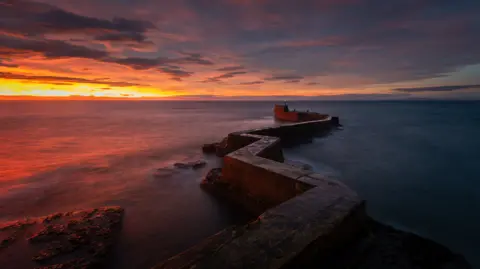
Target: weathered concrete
(306, 209)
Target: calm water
(416, 163)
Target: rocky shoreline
(80, 239)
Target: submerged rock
(191, 165)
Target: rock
(210, 148)
(198, 164)
(165, 172)
(7, 241)
(62, 240)
(181, 165)
(336, 121)
(213, 176)
(386, 247)
(220, 149)
(193, 165)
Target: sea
(416, 163)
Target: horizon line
(353, 97)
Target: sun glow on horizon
(10, 88)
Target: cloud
(148, 63)
(192, 58)
(59, 80)
(29, 18)
(347, 44)
(224, 76)
(230, 74)
(140, 63)
(125, 37)
(252, 82)
(286, 78)
(4, 64)
(438, 88)
(176, 74)
(11, 46)
(54, 49)
(231, 68)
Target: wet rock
(191, 165)
(7, 241)
(17, 225)
(165, 172)
(383, 246)
(53, 249)
(220, 149)
(79, 239)
(52, 217)
(181, 165)
(213, 176)
(210, 148)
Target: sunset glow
(158, 49)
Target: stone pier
(305, 218)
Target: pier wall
(308, 212)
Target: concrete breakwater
(305, 218)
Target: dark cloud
(192, 58)
(29, 18)
(286, 78)
(380, 41)
(148, 63)
(349, 43)
(231, 68)
(252, 82)
(4, 64)
(312, 83)
(230, 74)
(438, 88)
(61, 20)
(11, 46)
(224, 76)
(124, 37)
(52, 49)
(293, 81)
(59, 80)
(176, 74)
(140, 63)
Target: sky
(367, 49)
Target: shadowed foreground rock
(383, 246)
(79, 239)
